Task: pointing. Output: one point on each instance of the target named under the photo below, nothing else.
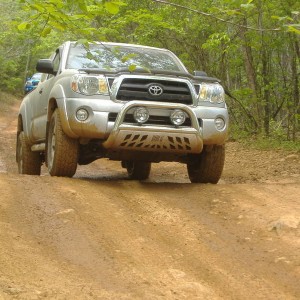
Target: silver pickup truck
(130, 103)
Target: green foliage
(260, 141)
(217, 40)
(264, 143)
(6, 101)
(113, 7)
(252, 46)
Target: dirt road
(101, 236)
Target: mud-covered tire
(29, 162)
(207, 167)
(138, 170)
(62, 151)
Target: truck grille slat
(141, 87)
(137, 89)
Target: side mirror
(200, 73)
(45, 66)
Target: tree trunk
(248, 57)
(296, 93)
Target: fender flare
(57, 99)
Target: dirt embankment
(101, 236)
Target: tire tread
(139, 170)
(31, 161)
(208, 167)
(66, 151)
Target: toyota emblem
(155, 90)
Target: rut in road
(101, 236)
(145, 240)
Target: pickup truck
(134, 104)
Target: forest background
(252, 46)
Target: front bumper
(155, 138)
(118, 134)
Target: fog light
(220, 123)
(178, 117)
(141, 115)
(82, 114)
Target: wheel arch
(20, 124)
(60, 104)
(52, 105)
(23, 119)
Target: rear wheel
(138, 170)
(207, 167)
(29, 162)
(62, 151)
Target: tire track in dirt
(154, 241)
(102, 236)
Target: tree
(251, 45)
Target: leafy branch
(214, 16)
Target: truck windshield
(112, 57)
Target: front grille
(153, 120)
(137, 89)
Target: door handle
(40, 91)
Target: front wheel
(138, 170)
(62, 151)
(207, 166)
(29, 162)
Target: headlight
(212, 92)
(177, 117)
(141, 115)
(89, 85)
